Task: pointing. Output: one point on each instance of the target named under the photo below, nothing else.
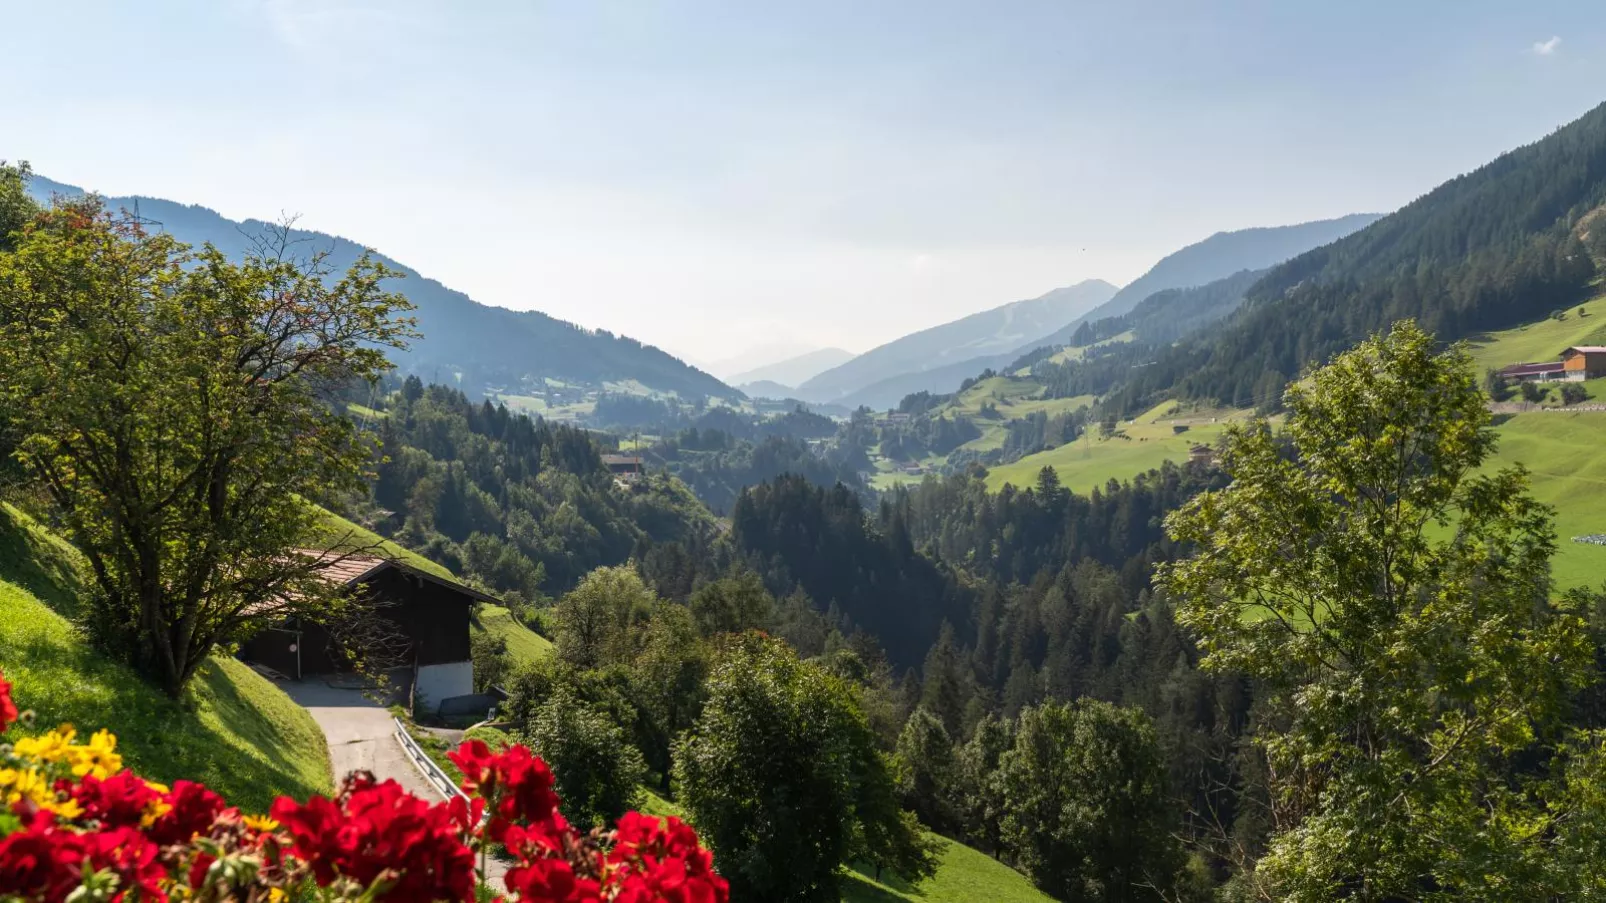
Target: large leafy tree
(781, 777)
(1391, 598)
(1086, 808)
(175, 409)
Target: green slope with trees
(233, 730)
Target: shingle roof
(349, 570)
(1587, 349)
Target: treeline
(523, 506)
(717, 465)
(621, 412)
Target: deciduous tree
(175, 406)
(1086, 811)
(1392, 601)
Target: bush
(1573, 393)
(491, 660)
(599, 774)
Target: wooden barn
(1584, 362)
(428, 618)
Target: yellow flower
(17, 784)
(159, 788)
(276, 895)
(98, 757)
(260, 823)
(66, 808)
(56, 746)
(155, 810)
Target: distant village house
(626, 469)
(1578, 363)
(1584, 362)
(429, 615)
(1203, 455)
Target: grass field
(1566, 454)
(1092, 461)
(963, 875)
(523, 644)
(235, 731)
(1541, 341)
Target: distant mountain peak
(992, 331)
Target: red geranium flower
(516, 785)
(551, 881)
(380, 830)
(119, 801)
(41, 861)
(194, 809)
(8, 709)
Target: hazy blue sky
(712, 176)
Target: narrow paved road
(360, 734)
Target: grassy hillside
(963, 875)
(236, 732)
(1541, 341)
(523, 644)
(1138, 446)
(1566, 454)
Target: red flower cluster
(109, 831)
(661, 861)
(47, 862)
(380, 831)
(513, 783)
(8, 709)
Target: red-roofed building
(1539, 372)
(426, 616)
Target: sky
(716, 178)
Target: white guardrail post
(425, 763)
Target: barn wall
(443, 681)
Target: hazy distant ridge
(464, 340)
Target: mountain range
(880, 378)
(1503, 245)
(476, 345)
(1000, 329)
(793, 371)
(1217, 257)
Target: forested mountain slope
(1215, 258)
(486, 345)
(1505, 244)
(994, 331)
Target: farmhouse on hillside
(1584, 362)
(626, 469)
(1578, 363)
(1543, 371)
(424, 616)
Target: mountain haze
(473, 344)
(999, 330)
(794, 371)
(1217, 257)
